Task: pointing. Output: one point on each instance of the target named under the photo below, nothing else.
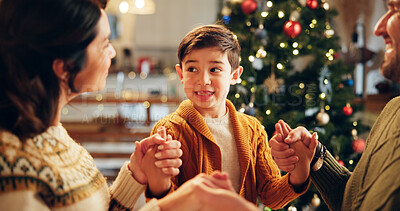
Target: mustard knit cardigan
(259, 175)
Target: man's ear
(59, 70)
(179, 71)
(236, 75)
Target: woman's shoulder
(51, 164)
(20, 164)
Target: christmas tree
(293, 71)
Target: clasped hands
(157, 158)
(293, 151)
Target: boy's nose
(205, 78)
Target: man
(375, 182)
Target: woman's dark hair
(33, 33)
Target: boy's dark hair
(213, 35)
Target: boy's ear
(179, 71)
(236, 75)
(58, 69)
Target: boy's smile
(206, 75)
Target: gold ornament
(273, 84)
(322, 117)
(315, 201)
(292, 208)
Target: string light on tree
(261, 53)
(325, 5)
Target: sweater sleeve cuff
(303, 188)
(288, 189)
(151, 206)
(330, 174)
(125, 189)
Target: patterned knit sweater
(259, 174)
(375, 182)
(53, 172)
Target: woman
(50, 52)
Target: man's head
(208, 65)
(389, 28)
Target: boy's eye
(191, 69)
(214, 70)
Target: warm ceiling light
(124, 7)
(143, 7)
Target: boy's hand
(169, 156)
(159, 167)
(293, 151)
(284, 156)
(304, 152)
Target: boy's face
(206, 76)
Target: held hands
(161, 164)
(168, 160)
(293, 150)
(206, 192)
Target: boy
(213, 134)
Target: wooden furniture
(111, 143)
(376, 102)
(126, 97)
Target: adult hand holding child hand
(168, 161)
(293, 150)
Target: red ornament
(358, 145)
(340, 162)
(249, 6)
(312, 4)
(336, 55)
(292, 28)
(347, 110)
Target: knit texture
(222, 131)
(52, 171)
(123, 195)
(259, 175)
(375, 182)
(51, 164)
